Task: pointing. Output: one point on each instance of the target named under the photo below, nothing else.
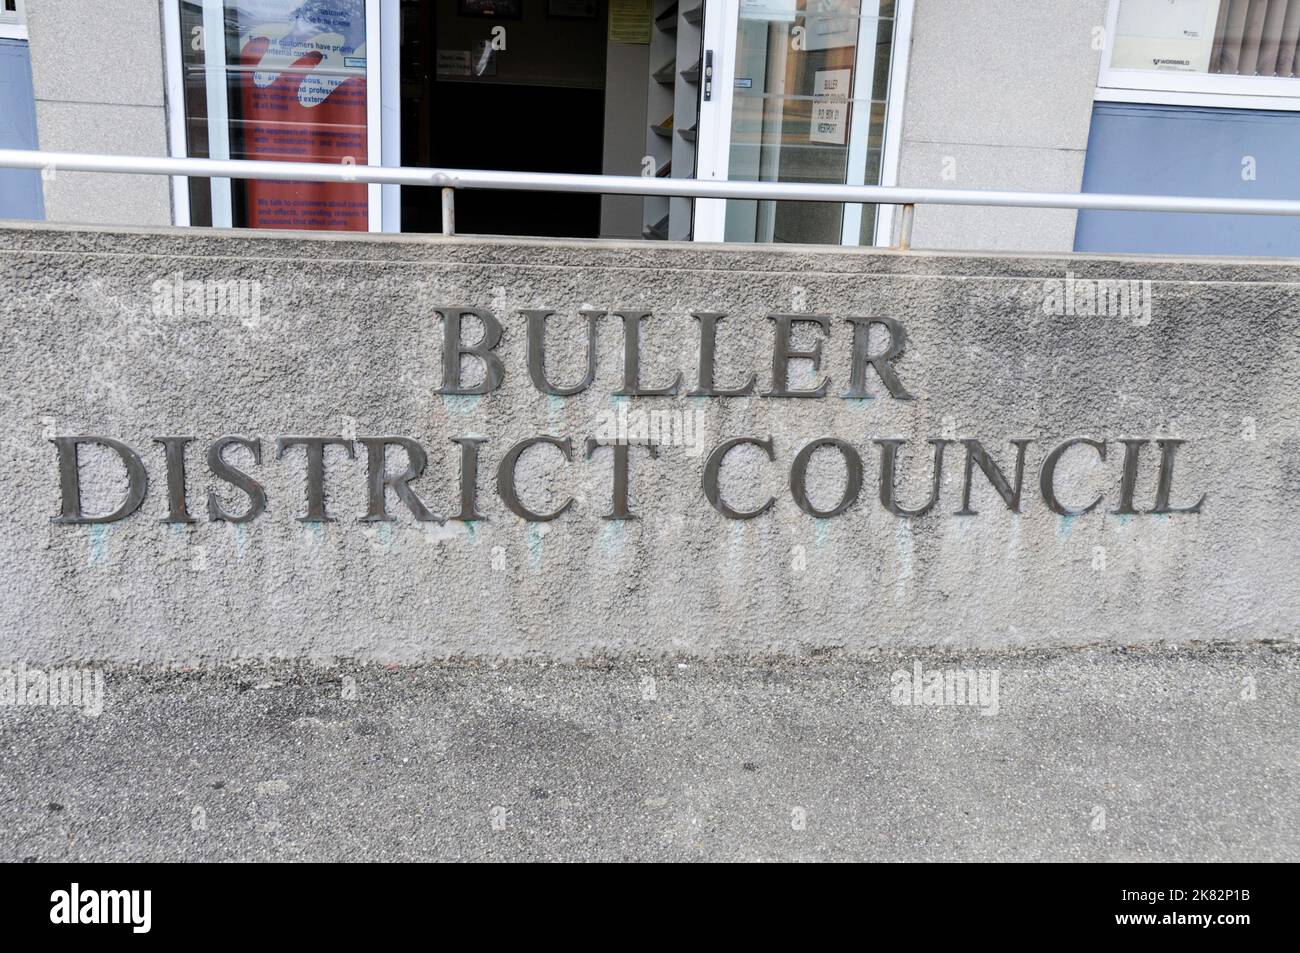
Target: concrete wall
(97, 72)
(344, 340)
(999, 96)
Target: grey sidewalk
(665, 760)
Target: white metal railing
(451, 179)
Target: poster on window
(1172, 35)
(301, 77)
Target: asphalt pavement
(1175, 753)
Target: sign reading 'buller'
(878, 373)
(368, 472)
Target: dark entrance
(535, 106)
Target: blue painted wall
(1179, 150)
(20, 189)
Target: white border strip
(174, 98)
(214, 77)
(374, 114)
(1152, 97)
(713, 153)
(390, 101)
(864, 80)
(895, 98)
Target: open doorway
(515, 85)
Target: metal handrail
(451, 179)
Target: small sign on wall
(830, 111)
(629, 21)
(454, 63)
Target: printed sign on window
(830, 112)
(302, 96)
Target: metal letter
(315, 471)
(888, 466)
(175, 450)
(468, 478)
(881, 361)
(399, 483)
(799, 475)
(70, 480)
(506, 478)
(1047, 476)
(1128, 479)
(708, 350)
(632, 360)
(224, 471)
(781, 355)
(621, 455)
(453, 348)
(712, 468)
(1164, 486)
(976, 454)
(537, 352)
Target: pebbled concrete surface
(346, 342)
(271, 762)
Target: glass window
(276, 80)
(811, 82)
(1227, 37)
(13, 13)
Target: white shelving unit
(672, 105)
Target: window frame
(382, 134)
(13, 25)
(1177, 88)
(714, 151)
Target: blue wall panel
(1179, 150)
(20, 189)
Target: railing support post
(905, 229)
(448, 210)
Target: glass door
(806, 97)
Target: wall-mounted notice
(629, 21)
(454, 63)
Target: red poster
(287, 112)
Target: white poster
(830, 113)
(829, 24)
(1165, 35)
(773, 11)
